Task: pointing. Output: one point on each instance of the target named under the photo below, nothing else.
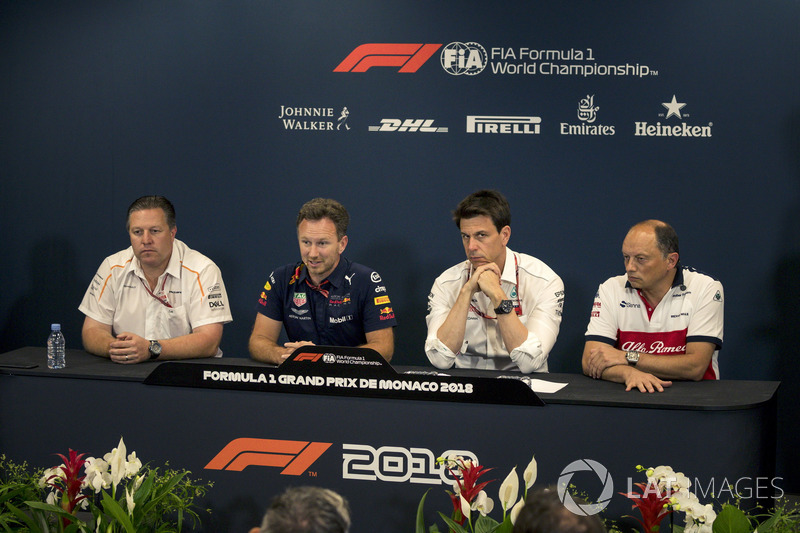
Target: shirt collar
(335, 278)
(678, 281)
(510, 268)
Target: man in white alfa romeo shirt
(658, 322)
(499, 309)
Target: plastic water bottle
(56, 357)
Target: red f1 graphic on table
(313, 357)
(409, 57)
(294, 456)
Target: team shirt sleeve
(603, 324)
(439, 304)
(543, 324)
(706, 324)
(99, 303)
(376, 306)
(270, 301)
(208, 301)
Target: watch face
(505, 307)
(155, 347)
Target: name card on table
(342, 371)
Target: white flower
(666, 479)
(684, 498)
(133, 465)
(530, 474)
(51, 498)
(137, 483)
(516, 509)
(464, 506)
(97, 475)
(482, 503)
(129, 501)
(116, 460)
(50, 474)
(509, 490)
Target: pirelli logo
(408, 56)
(294, 456)
(495, 124)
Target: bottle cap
(55, 327)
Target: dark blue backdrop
(102, 102)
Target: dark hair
(320, 208)
(152, 202)
(666, 237)
(484, 202)
(307, 510)
(544, 512)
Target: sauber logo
(294, 456)
(409, 57)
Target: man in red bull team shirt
(325, 299)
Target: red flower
(652, 504)
(69, 481)
(466, 476)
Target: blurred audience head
(306, 510)
(545, 513)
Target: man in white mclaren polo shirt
(659, 321)
(158, 299)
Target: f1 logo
(313, 357)
(409, 57)
(294, 456)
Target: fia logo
(463, 58)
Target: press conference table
(380, 449)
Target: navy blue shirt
(357, 303)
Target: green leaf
(506, 526)
(56, 510)
(145, 489)
(731, 520)
(484, 524)
(420, 528)
(455, 526)
(24, 518)
(768, 524)
(112, 507)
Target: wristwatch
(632, 357)
(505, 307)
(155, 349)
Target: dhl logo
(294, 456)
